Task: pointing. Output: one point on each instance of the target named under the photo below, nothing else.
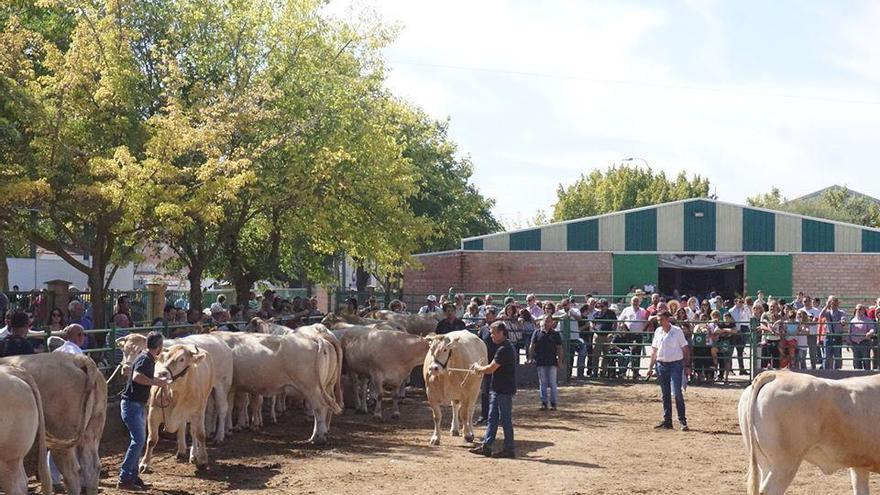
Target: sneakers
(684, 427)
(664, 426)
(481, 450)
(141, 482)
(505, 454)
(130, 485)
(552, 407)
(543, 406)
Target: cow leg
(395, 400)
(859, 481)
(378, 381)
(455, 430)
(219, 421)
(199, 452)
(152, 440)
(437, 414)
(68, 465)
(361, 386)
(13, 478)
(230, 405)
(211, 415)
(467, 409)
(273, 407)
(242, 402)
(90, 466)
(777, 479)
(256, 411)
(181, 442)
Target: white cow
(191, 374)
(219, 417)
(459, 389)
(787, 418)
(75, 410)
(23, 425)
(385, 357)
(417, 324)
(266, 365)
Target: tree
(623, 187)
(445, 195)
(837, 203)
(82, 179)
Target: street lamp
(634, 158)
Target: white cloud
(600, 92)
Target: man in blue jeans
(503, 387)
(133, 407)
(671, 356)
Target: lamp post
(635, 158)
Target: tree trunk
(243, 285)
(195, 286)
(4, 267)
(99, 313)
(362, 277)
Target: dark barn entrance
(701, 274)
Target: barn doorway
(701, 274)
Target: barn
(693, 246)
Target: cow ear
(120, 342)
(198, 358)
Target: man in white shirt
(742, 315)
(813, 337)
(671, 356)
(534, 307)
(634, 318)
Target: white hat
(432, 298)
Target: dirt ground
(601, 441)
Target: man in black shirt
(486, 335)
(503, 372)
(16, 343)
(451, 323)
(133, 406)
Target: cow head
(175, 362)
(257, 325)
(131, 345)
(440, 348)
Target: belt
(671, 362)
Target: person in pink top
(534, 306)
(861, 330)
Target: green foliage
(837, 203)
(621, 188)
(445, 194)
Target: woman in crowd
(705, 311)
(545, 352)
(861, 331)
(56, 321)
(770, 333)
(803, 318)
(472, 316)
(788, 338)
(526, 327)
(510, 317)
(693, 309)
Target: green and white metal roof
(696, 225)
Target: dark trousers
(770, 354)
(670, 375)
(485, 388)
(500, 411)
(739, 343)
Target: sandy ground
(601, 441)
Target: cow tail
(337, 389)
(329, 401)
(754, 477)
(42, 461)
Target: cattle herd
(219, 382)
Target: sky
(751, 94)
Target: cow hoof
(469, 438)
(181, 457)
(435, 441)
(455, 433)
(201, 467)
(378, 418)
(395, 415)
(319, 441)
(144, 468)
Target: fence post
(566, 348)
(113, 345)
(753, 349)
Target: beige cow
(787, 418)
(339, 322)
(75, 415)
(416, 324)
(24, 425)
(385, 357)
(447, 387)
(317, 330)
(191, 374)
(218, 418)
(266, 365)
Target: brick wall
(845, 275)
(475, 271)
